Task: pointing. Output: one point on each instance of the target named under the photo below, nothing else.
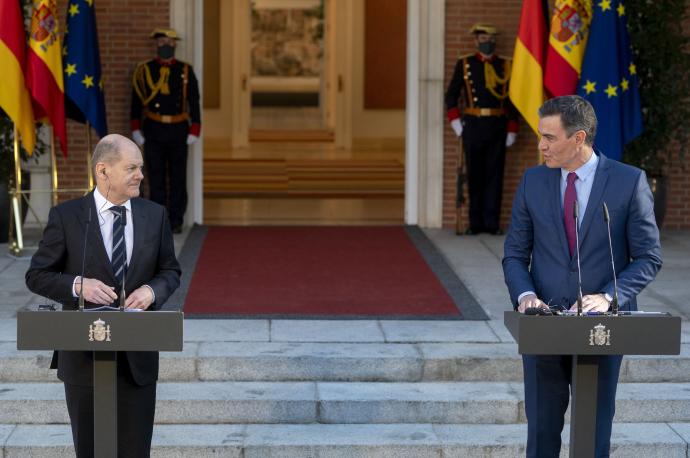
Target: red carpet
(345, 271)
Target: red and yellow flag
(44, 69)
(526, 80)
(567, 43)
(14, 97)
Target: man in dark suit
(125, 234)
(540, 261)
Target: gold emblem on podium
(99, 332)
(599, 336)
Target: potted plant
(663, 64)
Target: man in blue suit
(540, 261)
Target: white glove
(457, 127)
(191, 139)
(138, 137)
(510, 139)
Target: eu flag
(84, 98)
(609, 79)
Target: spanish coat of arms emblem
(99, 332)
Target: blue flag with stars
(608, 79)
(84, 99)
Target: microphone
(83, 264)
(123, 216)
(577, 249)
(614, 302)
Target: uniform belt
(485, 111)
(166, 119)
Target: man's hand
(96, 292)
(141, 298)
(530, 301)
(138, 137)
(457, 127)
(593, 303)
(191, 139)
(510, 139)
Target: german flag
(14, 96)
(526, 81)
(44, 69)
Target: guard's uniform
(165, 106)
(487, 115)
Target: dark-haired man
(540, 260)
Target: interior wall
(379, 126)
(218, 121)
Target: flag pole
(88, 156)
(53, 163)
(16, 238)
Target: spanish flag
(14, 97)
(44, 69)
(567, 42)
(526, 81)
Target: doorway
(295, 132)
(288, 81)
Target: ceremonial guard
(487, 123)
(165, 118)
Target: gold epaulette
(465, 56)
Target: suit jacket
(536, 256)
(59, 259)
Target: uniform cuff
(135, 124)
(195, 129)
(513, 126)
(453, 113)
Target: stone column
(424, 113)
(186, 17)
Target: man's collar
(166, 63)
(102, 204)
(585, 170)
(483, 58)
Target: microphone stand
(577, 249)
(83, 264)
(123, 214)
(614, 302)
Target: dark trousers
(483, 141)
(547, 394)
(165, 159)
(135, 412)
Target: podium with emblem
(585, 337)
(104, 333)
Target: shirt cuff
(153, 294)
(74, 286)
(526, 293)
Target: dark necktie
(568, 203)
(119, 256)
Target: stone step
(335, 402)
(655, 440)
(294, 361)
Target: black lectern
(104, 333)
(585, 337)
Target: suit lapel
(139, 222)
(594, 203)
(96, 246)
(557, 209)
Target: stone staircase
(385, 393)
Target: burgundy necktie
(568, 203)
